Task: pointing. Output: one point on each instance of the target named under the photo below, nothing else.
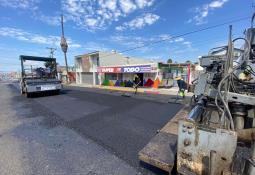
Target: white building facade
(93, 68)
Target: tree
(169, 60)
(188, 62)
(49, 64)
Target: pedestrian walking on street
(136, 82)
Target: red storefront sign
(109, 69)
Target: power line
(201, 42)
(197, 43)
(52, 50)
(181, 35)
(194, 43)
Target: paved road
(81, 131)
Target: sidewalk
(161, 94)
(163, 91)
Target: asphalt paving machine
(217, 136)
(39, 75)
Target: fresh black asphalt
(122, 125)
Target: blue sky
(29, 26)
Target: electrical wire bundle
(229, 81)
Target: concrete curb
(172, 91)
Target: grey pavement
(163, 98)
(77, 132)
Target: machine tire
(57, 92)
(28, 95)
(22, 91)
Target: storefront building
(115, 69)
(188, 72)
(117, 75)
(96, 67)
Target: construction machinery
(217, 136)
(39, 74)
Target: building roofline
(117, 53)
(175, 64)
(143, 64)
(90, 53)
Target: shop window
(167, 75)
(111, 76)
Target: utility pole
(253, 16)
(64, 46)
(52, 50)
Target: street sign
(125, 69)
(109, 69)
(136, 69)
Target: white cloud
(144, 3)
(165, 36)
(20, 4)
(98, 14)
(187, 43)
(127, 6)
(172, 45)
(203, 11)
(93, 46)
(179, 39)
(91, 22)
(32, 7)
(217, 3)
(22, 35)
(87, 14)
(139, 22)
(128, 41)
(111, 5)
(51, 20)
(137, 41)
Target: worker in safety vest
(182, 86)
(136, 82)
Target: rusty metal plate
(198, 147)
(160, 151)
